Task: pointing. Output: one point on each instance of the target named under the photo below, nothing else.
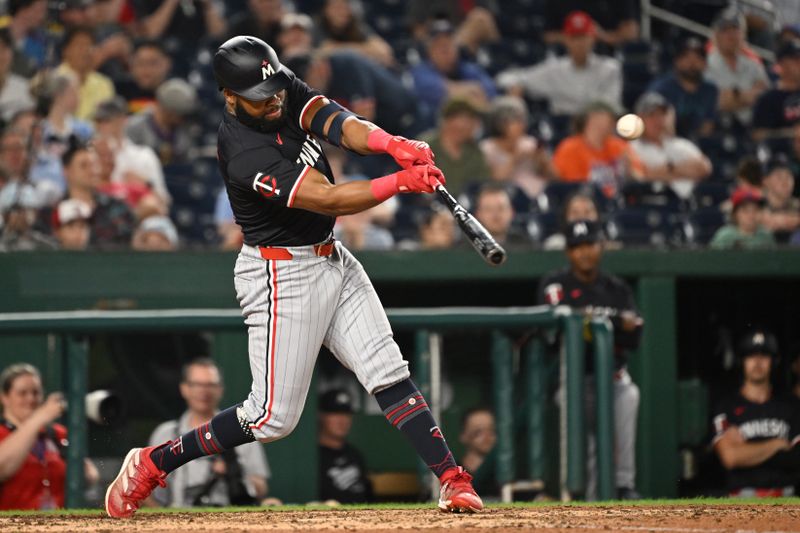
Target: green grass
(378, 506)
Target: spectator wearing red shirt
(32, 471)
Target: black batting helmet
(250, 68)
(759, 341)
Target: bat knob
(497, 256)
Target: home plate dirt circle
(732, 518)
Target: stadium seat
(701, 225)
(644, 227)
(651, 195)
(542, 225)
(194, 187)
(556, 194)
(709, 194)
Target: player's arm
(317, 194)
(734, 452)
(341, 127)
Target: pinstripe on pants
(293, 307)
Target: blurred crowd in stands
(110, 111)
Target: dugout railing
(505, 324)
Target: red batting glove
(406, 152)
(418, 178)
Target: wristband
(378, 140)
(384, 187)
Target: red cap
(579, 23)
(746, 194)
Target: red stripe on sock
(200, 433)
(211, 440)
(405, 415)
(403, 406)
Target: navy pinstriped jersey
(262, 172)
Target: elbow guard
(334, 135)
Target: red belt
(273, 253)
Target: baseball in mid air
(630, 126)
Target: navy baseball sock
(406, 409)
(226, 430)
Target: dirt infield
(669, 518)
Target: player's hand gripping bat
(481, 239)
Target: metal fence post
(602, 342)
(573, 410)
(503, 389)
(536, 399)
(422, 377)
(76, 366)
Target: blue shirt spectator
(694, 99)
(444, 75)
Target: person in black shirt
(298, 288)
(342, 472)
(585, 288)
(757, 435)
(778, 108)
(617, 19)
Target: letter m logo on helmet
(266, 69)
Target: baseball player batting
(298, 288)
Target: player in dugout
(586, 288)
(756, 434)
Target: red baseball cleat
(136, 480)
(457, 494)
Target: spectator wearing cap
(361, 85)
(781, 208)
(694, 98)
(342, 471)
(616, 19)
(444, 75)
(493, 209)
(475, 24)
(666, 157)
(59, 93)
(585, 288)
(756, 435)
(184, 20)
(295, 37)
(155, 234)
(514, 156)
(778, 108)
(163, 127)
(31, 42)
(739, 78)
(150, 66)
(112, 221)
(745, 231)
(341, 26)
(15, 92)
(78, 58)
(19, 203)
(458, 154)
(71, 224)
(132, 163)
(262, 19)
(594, 154)
(571, 82)
(579, 206)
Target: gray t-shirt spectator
(743, 77)
(183, 483)
(569, 89)
(14, 96)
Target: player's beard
(259, 123)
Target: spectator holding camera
(756, 435)
(237, 477)
(32, 466)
